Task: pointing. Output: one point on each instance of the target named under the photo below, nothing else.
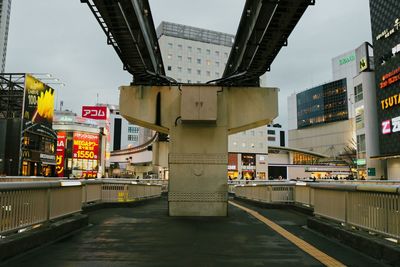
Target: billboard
(38, 107)
(95, 112)
(85, 146)
(385, 24)
(60, 153)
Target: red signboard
(86, 146)
(60, 156)
(95, 112)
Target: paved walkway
(146, 236)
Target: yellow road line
(303, 245)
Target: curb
(23, 242)
(372, 246)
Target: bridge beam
(198, 120)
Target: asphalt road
(146, 236)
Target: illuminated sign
(95, 112)
(60, 155)
(363, 64)
(347, 59)
(38, 108)
(391, 126)
(390, 78)
(389, 32)
(396, 50)
(85, 146)
(390, 101)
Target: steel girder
(129, 27)
(263, 30)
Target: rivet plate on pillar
(197, 196)
(197, 158)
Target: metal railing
(369, 206)
(27, 204)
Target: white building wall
(292, 112)
(393, 169)
(367, 106)
(4, 25)
(190, 61)
(345, 66)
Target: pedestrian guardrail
(27, 204)
(368, 206)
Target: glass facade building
(322, 104)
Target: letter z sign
(391, 126)
(94, 112)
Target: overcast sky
(62, 37)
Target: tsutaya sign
(198, 120)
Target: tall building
(385, 23)
(338, 118)
(124, 134)
(193, 55)
(5, 10)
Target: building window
(189, 81)
(169, 56)
(132, 137)
(322, 104)
(169, 45)
(189, 59)
(198, 50)
(271, 138)
(208, 62)
(208, 73)
(189, 48)
(133, 129)
(179, 46)
(217, 53)
(361, 143)
(272, 132)
(180, 58)
(208, 51)
(169, 68)
(226, 54)
(360, 118)
(358, 93)
(199, 61)
(217, 63)
(217, 74)
(198, 72)
(189, 70)
(179, 69)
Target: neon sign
(391, 126)
(390, 78)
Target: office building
(124, 134)
(5, 10)
(338, 118)
(385, 23)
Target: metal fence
(369, 206)
(27, 204)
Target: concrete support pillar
(198, 120)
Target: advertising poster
(60, 155)
(39, 107)
(85, 146)
(85, 152)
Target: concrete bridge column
(198, 120)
